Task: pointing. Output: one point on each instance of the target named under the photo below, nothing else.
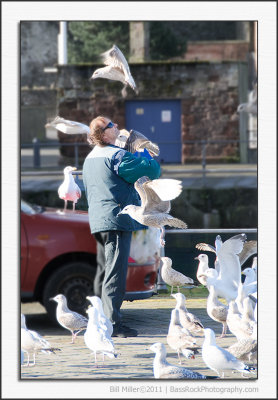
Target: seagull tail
(177, 223)
(50, 350)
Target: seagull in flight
(155, 204)
(117, 69)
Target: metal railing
(37, 145)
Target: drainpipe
(62, 44)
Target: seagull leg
(224, 330)
(65, 205)
(28, 359)
(34, 360)
(73, 206)
(179, 357)
(162, 241)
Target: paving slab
(150, 317)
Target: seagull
(219, 359)
(226, 282)
(248, 315)
(171, 276)
(202, 267)
(117, 69)
(215, 309)
(251, 106)
(245, 349)
(179, 338)
(103, 321)
(97, 339)
(208, 247)
(250, 276)
(155, 204)
(240, 328)
(68, 319)
(249, 249)
(33, 342)
(69, 127)
(135, 141)
(187, 319)
(164, 370)
(69, 190)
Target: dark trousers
(113, 249)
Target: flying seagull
(69, 190)
(135, 141)
(117, 69)
(155, 204)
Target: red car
(58, 255)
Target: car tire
(75, 280)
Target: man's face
(111, 133)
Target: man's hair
(96, 127)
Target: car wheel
(75, 280)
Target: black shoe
(124, 331)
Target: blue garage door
(159, 121)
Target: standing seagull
(164, 370)
(187, 319)
(68, 319)
(215, 309)
(117, 69)
(171, 276)
(103, 321)
(179, 338)
(155, 204)
(96, 338)
(202, 267)
(219, 359)
(69, 190)
(32, 342)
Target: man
(109, 173)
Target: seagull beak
(51, 298)
(74, 168)
(196, 258)
(120, 213)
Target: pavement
(150, 317)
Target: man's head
(103, 131)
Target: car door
(23, 252)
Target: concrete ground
(150, 317)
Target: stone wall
(208, 94)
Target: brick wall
(208, 94)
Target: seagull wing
(249, 249)
(138, 142)
(230, 270)
(67, 126)
(115, 58)
(150, 201)
(205, 247)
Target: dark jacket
(109, 174)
